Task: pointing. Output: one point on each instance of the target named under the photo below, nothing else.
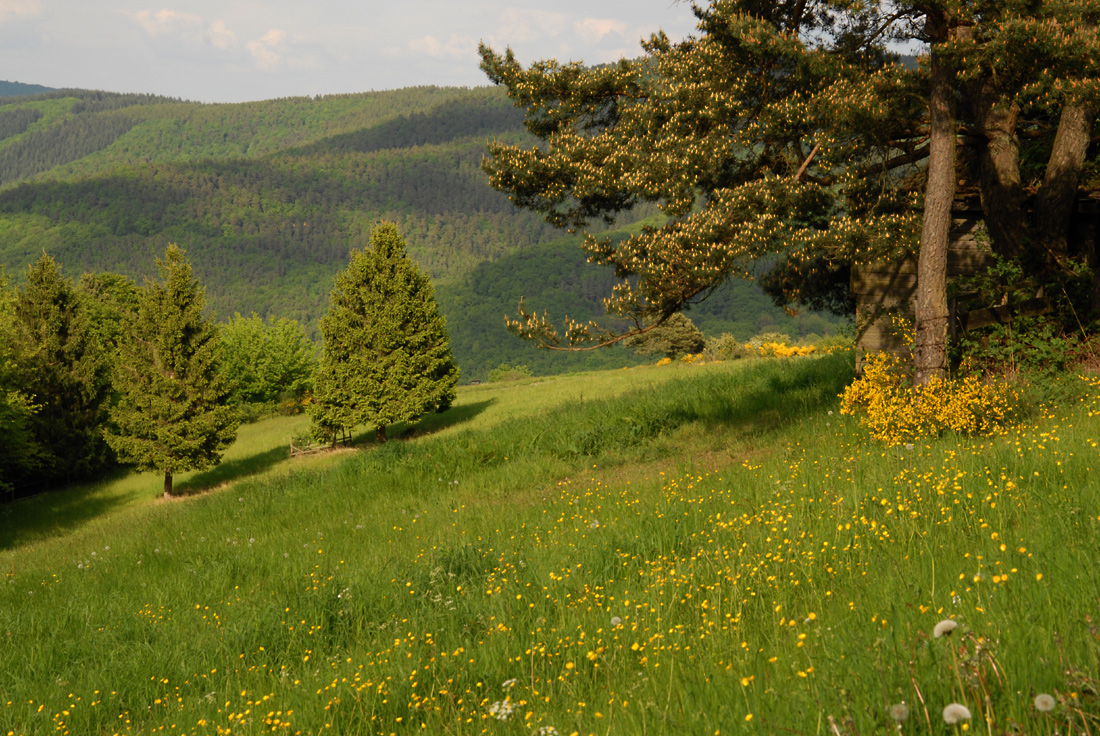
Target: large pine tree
(387, 355)
(64, 368)
(173, 414)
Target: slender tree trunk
(1054, 205)
(1003, 198)
(930, 349)
(380, 434)
(167, 483)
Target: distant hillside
(14, 89)
(556, 277)
(268, 198)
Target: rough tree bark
(930, 348)
(1056, 199)
(1002, 192)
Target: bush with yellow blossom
(897, 411)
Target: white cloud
(594, 29)
(219, 35)
(19, 9)
(165, 21)
(264, 48)
(456, 46)
(520, 26)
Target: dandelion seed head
(899, 712)
(1045, 702)
(954, 713)
(944, 627)
(615, 620)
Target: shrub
(896, 411)
(505, 372)
(726, 347)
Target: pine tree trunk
(1054, 205)
(999, 171)
(930, 349)
(167, 483)
(380, 434)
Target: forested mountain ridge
(268, 198)
(12, 89)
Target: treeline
(71, 373)
(169, 130)
(12, 89)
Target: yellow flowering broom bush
(896, 411)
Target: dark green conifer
(172, 415)
(21, 454)
(64, 369)
(387, 355)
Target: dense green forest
(12, 89)
(268, 198)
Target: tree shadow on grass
(230, 471)
(430, 424)
(52, 513)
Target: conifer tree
(172, 415)
(64, 368)
(21, 453)
(387, 355)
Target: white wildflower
(502, 709)
(1044, 702)
(899, 712)
(954, 713)
(944, 627)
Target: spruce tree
(64, 368)
(387, 355)
(172, 415)
(22, 454)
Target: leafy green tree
(22, 454)
(64, 368)
(264, 362)
(173, 414)
(677, 335)
(386, 355)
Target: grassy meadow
(686, 549)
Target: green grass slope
(689, 549)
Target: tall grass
(714, 552)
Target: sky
(240, 50)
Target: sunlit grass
(712, 553)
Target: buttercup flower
(954, 713)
